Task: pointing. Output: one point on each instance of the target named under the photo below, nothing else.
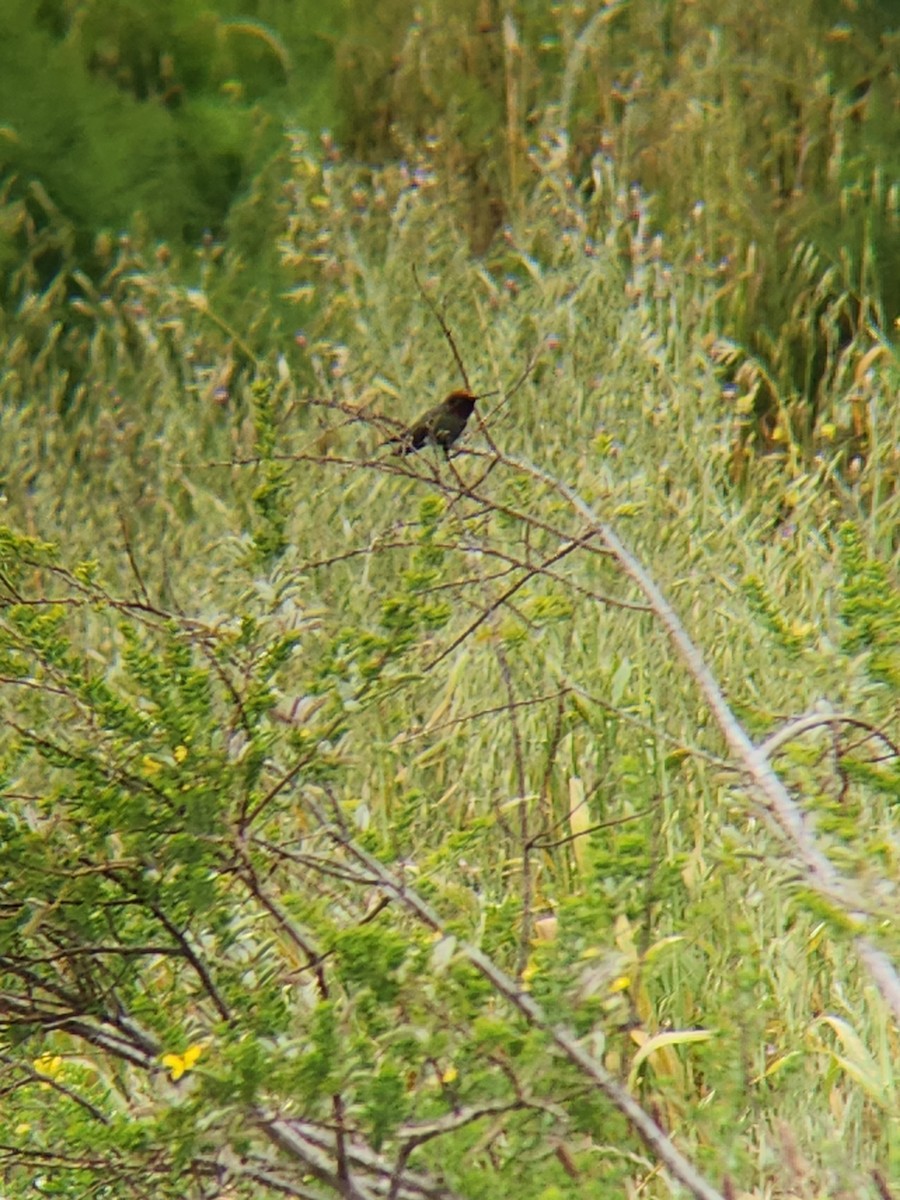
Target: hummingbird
(440, 425)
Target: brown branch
(313, 1145)
(514, 563)
(445, 328)
(493, 711)
(504, 596)
(199, 966)
(540, 844)
(800, 725)
(132, 561)
(249, 814)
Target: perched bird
(441, 425)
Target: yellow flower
(180, 753)
(178, 1064)
(50, 1065)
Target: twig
(800, 725)
(504, 596)
(445, 328)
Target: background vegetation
(369, 825)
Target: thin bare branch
(445, 328)
(504, 596)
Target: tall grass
(373, 655)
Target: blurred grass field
(259, 585)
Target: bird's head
(462, 403)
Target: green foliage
(871, 609)
(156, 109)
(270, 496)
(264, 664)
(793, 642)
